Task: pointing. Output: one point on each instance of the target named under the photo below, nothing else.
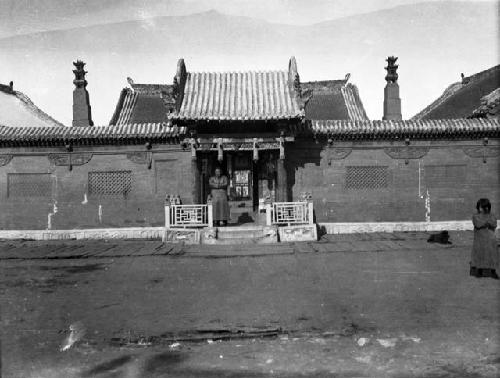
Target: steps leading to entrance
(240, 232)
(240, 235)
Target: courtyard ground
(371, 305)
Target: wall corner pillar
(282, 185)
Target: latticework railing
(188, 216)
(289, 213)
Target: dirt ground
(379, 305)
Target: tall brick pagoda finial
(82, 115)
(392, 102)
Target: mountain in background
(29, 16)
(435, 42)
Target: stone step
(240, 240)
(223, 233)
(241, 235)
(230, 249)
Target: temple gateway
(295, 154)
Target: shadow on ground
(75, 268)
(108, 366)
(172, 364)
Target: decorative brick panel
(111, 183)
(366, 177)
(29, 185)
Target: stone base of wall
(353, 228)
(194, 236)
(152, 233)
(298, 233)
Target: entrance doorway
(251, 183)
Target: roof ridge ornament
(392, 67)
(346, 79)
(130, 82)
(79, 74)
(179, 83)
(294, 82)
(296, 85)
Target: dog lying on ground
(443, 238)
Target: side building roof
(143, 103)
(415, 129)
(17, 110)
(332, 99)
(460, 99)
(168, 133)
(96, 135)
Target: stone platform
(223, 235)
(194, 236)
(237, 235)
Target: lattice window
(29, 185)
(366, 177)
(445, 176)
(112, 183)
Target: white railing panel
(290, 213)
(188, 215)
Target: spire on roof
(82, 115)
(392, 67)
(79, 74)
(392, 101)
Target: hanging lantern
(220, 151)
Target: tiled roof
(322, 86)
(152, 89)
(333, 99)
(402, 129)
(353, 102)
(238, 96)
(143, 103)
(17, 110)
(460, 99)
(490, 106)
(131, 133)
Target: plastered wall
(69, 203)
(423, 181)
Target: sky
(24, 16)
(45, 76)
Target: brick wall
(123, 193)
(350, 182)
(361, 182)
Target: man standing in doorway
(218, 185)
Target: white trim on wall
(366, 227)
